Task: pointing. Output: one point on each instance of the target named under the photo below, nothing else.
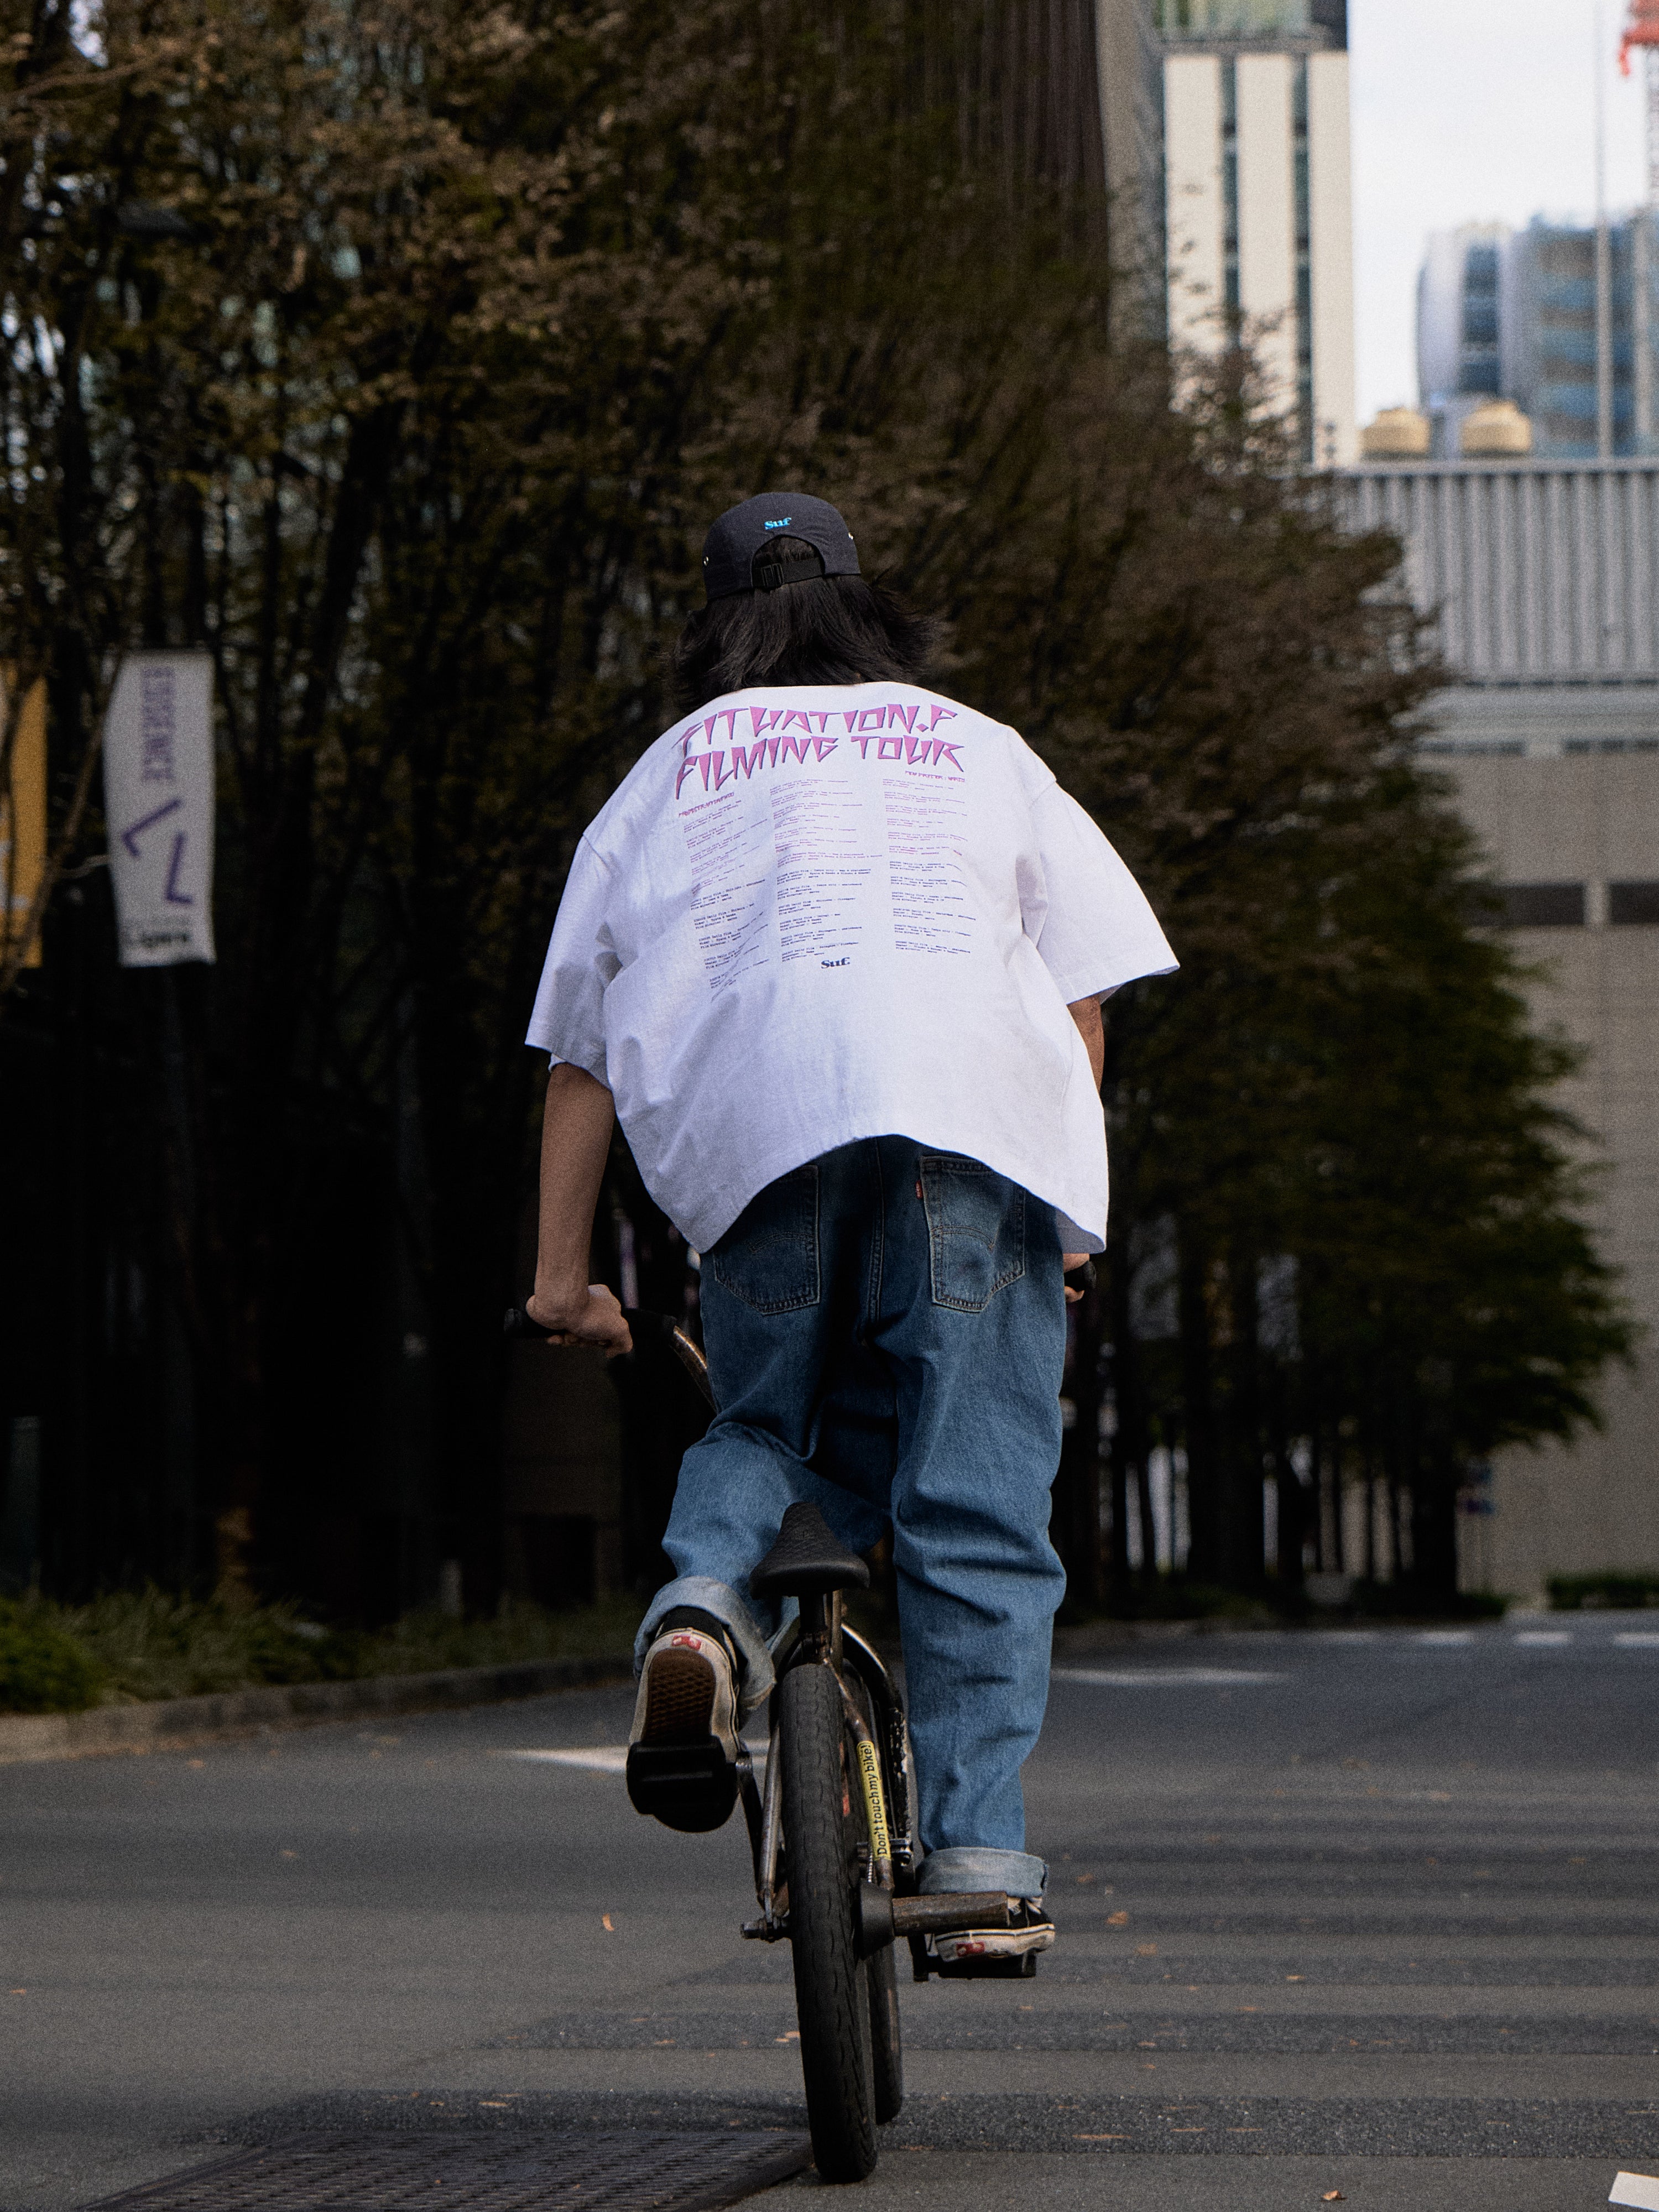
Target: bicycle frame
(822, 1639)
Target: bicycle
(828, 1829)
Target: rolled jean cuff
(754, 1660)
(970, 1867)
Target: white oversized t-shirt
(815, 914)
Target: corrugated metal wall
(1541, 571)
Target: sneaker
(995, 1953)
(683, 1753)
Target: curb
(171, 1723)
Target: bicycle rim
(832, 1990)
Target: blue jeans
(885, 1330)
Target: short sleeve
(1094, 929)
(568, 1022)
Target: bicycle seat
(806, 1561)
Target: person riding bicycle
(833, 952)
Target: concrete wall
(1267, 215)
(1590, 817)
(1193, 212)
(1330, 211)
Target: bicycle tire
(881, 1968)
(832, 1994)
(886, 2044)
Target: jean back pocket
(769, 1255)
(976, 1230)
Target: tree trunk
(1434, 1532)
(1076, 1486)
(1208, 1560)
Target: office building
(1460, 354)
(1258, 208)
(1545, 577)
(1516, 315)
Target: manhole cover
(636, 2170)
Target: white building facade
(1258, 199)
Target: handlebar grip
(661, 1327)
(518, 1323)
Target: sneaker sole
(678, 1771)
(679, 1704)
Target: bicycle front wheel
(821, 1828)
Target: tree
(399, 358)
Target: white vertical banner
(158, 804)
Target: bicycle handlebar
(664, 1329)
(658, 1327)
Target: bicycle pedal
(691, 1787)
(1021, 1968)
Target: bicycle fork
(820, 1642)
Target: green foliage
(1613, 1592)
(43, 1670)
(148, 1643)
(421, 1642)
(132, 1646)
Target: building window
(1633, 905)
(1540, 906)
(1252, 19)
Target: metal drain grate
(635, 2170)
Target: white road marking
(1635, 1641)
(1541, 1636)
(598, 1758)
(607, 1758)
(1446, 1636)
(1162, 1678)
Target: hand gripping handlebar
(645, 1328)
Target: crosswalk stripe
(1162, 1678)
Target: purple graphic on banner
(158, 715)
(174, 896)
(129, 836)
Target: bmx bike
(828, 1827)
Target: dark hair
(830, 630)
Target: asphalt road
(1367, 1912)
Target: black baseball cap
(741, 553)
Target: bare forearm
(1086, 1014)
(577, 1118)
